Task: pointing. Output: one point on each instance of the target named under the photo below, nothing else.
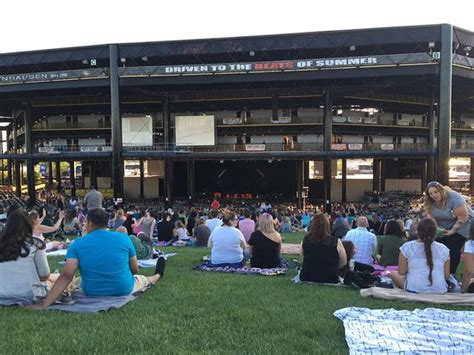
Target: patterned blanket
(244, 270)
(432, 330)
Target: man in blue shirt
(107, 262)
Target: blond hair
(428, 201)
(267, 227)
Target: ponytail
(426, 232)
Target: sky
(31, 24)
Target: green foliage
(191, 311)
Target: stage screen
(195, 130)
(137, 131)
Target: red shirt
(215, 205)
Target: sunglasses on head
(433, 183)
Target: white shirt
(226, 245)
(365, 243)
(469, 247)
(418, 270)
(213, 223)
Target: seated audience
(107, 263)
(119, 219)
(40, 229)
(201, 232)
(365, 241)
(146, 224)
(142, 244)
(213, 222)
(72, 225)
(285, 225)
(23, 262)
(468, 258)
(165, 228)
(323, 254)
(350, 250)
(181, 231)
(247, 225)
(265, 244)
(388, 245)
(423, 265)
(227, 243)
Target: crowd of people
(425, 241)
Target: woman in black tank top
(323, 255)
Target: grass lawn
(192, 311)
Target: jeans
(454, 243)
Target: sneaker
(160, 266)
(66, 299)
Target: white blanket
(422, 330)
(60, 252)
(152, 262)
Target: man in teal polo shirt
(107, 263)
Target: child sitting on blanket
(423, 264)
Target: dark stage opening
(262, 178)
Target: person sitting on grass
(468, 258)
(227, 243)
(72, 225)
(423, 264)
(40, 229)
(265, 244)
(388, 245)
(323, 254)
(142, 243)
(201, 232)
(107, 263)
(23, 262)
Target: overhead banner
(52, 76)
(279, 66)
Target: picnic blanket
(244, 270)
(466, 299)
(409, 332)
(82, 303)
(152, 262)
(287, 248)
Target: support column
(15, 150)
(30, 166)
(344, 181)
(383, 171)
(58, 175)
(142, 179)
(275, 108)
(50, 175)
(116, 121)
(191, 179)
(72, 174)
(93, 174)
(445, 95)
(376, 176)
(168, 183)
(424, 174)
(327, 148)
(431, 170)
(10, 172)
(166, 121)
(299, 183)
(472, 177)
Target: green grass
(191, 311)
(293, 238)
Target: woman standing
(452, 213)
(423, 265)
(323, 255)
(265, 244)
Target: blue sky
(31, 24)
